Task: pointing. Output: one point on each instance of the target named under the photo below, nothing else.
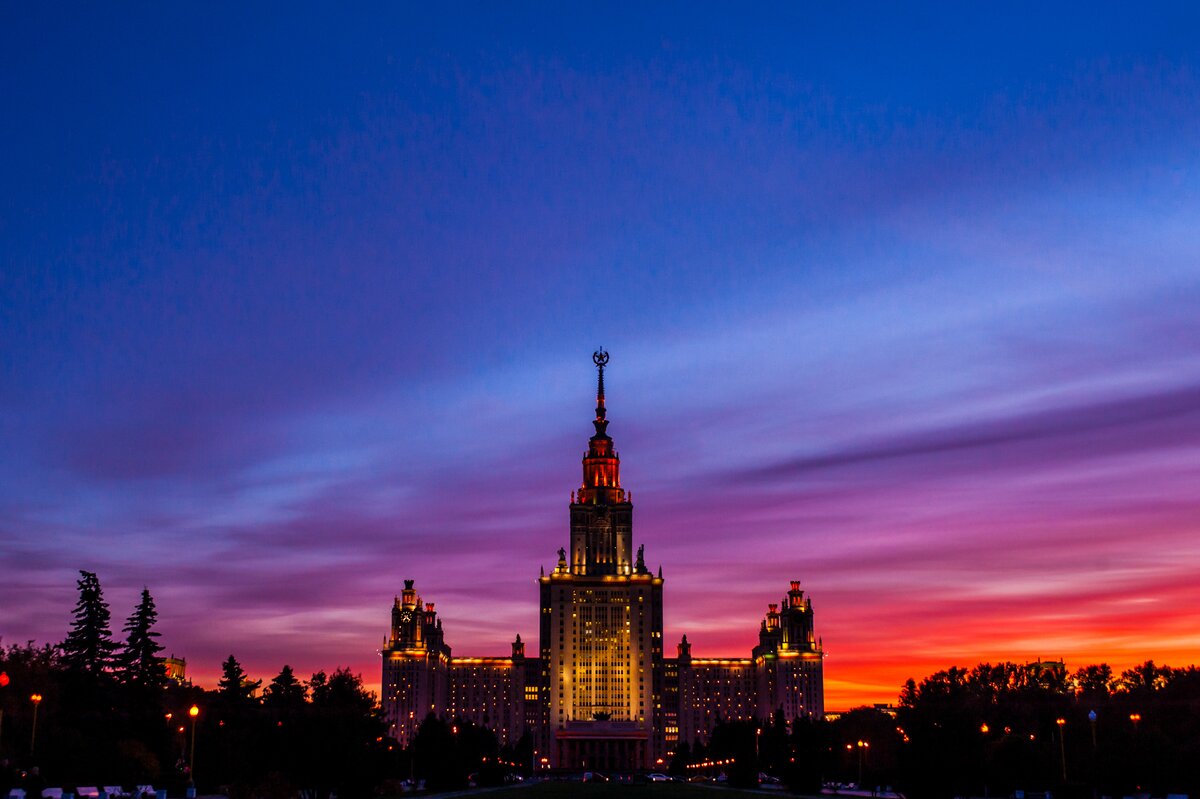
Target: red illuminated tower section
(601, 513)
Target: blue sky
(296, 303)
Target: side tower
(789, 660)
(415, 666)
(601, 626)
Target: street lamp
(37, 701)
(193, 712)
(1092, 721)
(862, 746)
(1135, 718)
(1062, 745)
(3, 682)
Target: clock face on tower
(406, 617)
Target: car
(656, 777)
(592, 776)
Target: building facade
(600, 694)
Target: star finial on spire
(600, 358)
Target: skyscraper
(602, 623)
(600, 694)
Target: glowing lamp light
(1060, 722)
(194, 711)
(983, 728)
(3, 678)
(35, 698)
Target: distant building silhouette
(600, 693)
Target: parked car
(656, 777)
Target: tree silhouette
(285, 692)
(234, 686)
(88, 648)
(138, 660)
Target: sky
(298, 302)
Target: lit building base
(602, 746)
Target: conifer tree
(139, 660)
(285, 691)
(234, 685)
(88, 648)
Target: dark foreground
(657, 790)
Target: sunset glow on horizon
(902, 305)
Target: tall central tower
(601, 625)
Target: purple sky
(902, 304)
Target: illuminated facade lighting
(600, 694)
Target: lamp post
(984, 729)
(193, 712)
(3, 682)
(1092, 721)
(862, 746)
(37, 701)
(1135, 718)
(1062, 745)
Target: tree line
(989, 730)
(106, 713)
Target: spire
(601, 466)
(600, 358)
